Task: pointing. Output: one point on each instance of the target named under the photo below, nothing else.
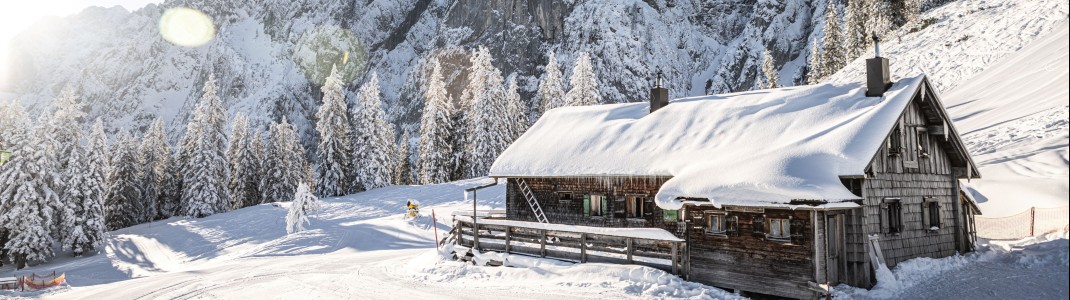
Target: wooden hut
(780, 192)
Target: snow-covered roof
(748, 148)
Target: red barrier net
(1033, 222)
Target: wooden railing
(577, 246)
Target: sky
(18, 15)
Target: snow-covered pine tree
(403, 165)
(770, 75)
(146, 163)
(488, 131)
(855, 33)
(436, 149)
(833, 50)
(258, 151)
(464, 119)
(284, 164)
(29, 179)
(63, 131)
(334, 158)
(204, 189)
(551, 92)
(373, 139)
(515, 117)
(156, 154)
(244, 169)
(583, 84)
(304, 203)
(123, 205)
(814, 72)
(85, 193)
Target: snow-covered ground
(361, 246)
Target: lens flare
(186, 27)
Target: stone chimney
(877, 79)
(659, 95)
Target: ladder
(534, 203)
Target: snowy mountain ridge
(265, 52)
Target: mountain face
(269, 57)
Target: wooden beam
(675, 255)
(583, 247)
(475, 235)
(542, 244)
(631, 249)
(508, 234)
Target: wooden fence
(667, 255)
(1032, 222)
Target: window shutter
(758, 227)
(648, 207)
(605, 206)
(798, 235)
(587, 205)
(732, 226)
(925, 214)
(884, 217)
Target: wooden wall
(749, 261)
(911, 177)
(570, 212)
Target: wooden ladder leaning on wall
(532, 201)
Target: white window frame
(716, 224)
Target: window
(780, 229)
(892, 216)
(833, 234)
(564, 197)
(895, 141)
(923, 143)
(635, 205)
(932, 212)
(598, 205)
(758, 226)
(715, 224)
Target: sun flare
(186, 27)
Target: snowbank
(523, 272)
(748, 148)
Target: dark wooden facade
(909, 200)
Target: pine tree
(304, 202)
(85, 195)
(284, 166)
(403, 167)
(833, 55)
(244, 169)
(551, 93)
(204, 189)
(373, 139)
(516, 120)
(156, 156)
(63, 131)
(771, 77)
(814, 72)
(435, 150)
(487, 130)
(29, 178)
(334, 159)
(583, 83)
(123, 205)
(854, 30)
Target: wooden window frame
(715, 218)
(562, 199)
(931, 214)
(892, 216)
(599, 210)
(781, 224)
(895, 141)
(635, 206)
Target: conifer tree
(583, 85)
(833, 49)
(551, 92)
(334, 158)
(771, 76)
(515, 117)
(244, 167)
(814, 72)
(156, 156)
(284, 164)
(436, 149)
(854, 31)
(123, 206)
(403, 165)
(373, 139)
(29, 178)
(304, 202)
(85, 194)
(487, 131)
(204, 190)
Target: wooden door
(835, 262)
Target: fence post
(508, 230)
(475, 235)
(583, 247)
(542, 244)
(675, 246)
(631, 249)
(1032, 221)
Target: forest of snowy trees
(67, 183)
